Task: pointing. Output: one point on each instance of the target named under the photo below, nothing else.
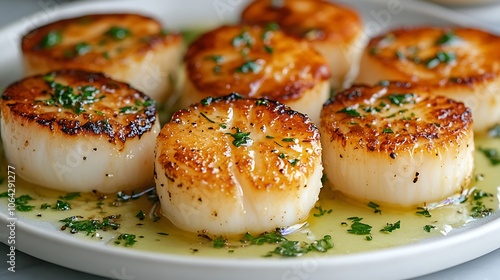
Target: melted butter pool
(161, 236)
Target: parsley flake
(491, 154)
(249, 66)
(391, 227)
(375, 207)
(118, 33)
(322, 212)
(89, 226)
(359, 228)
(219, 242)
(402, 98)
(424, 212)
(140, 215)
(428, 228)
(350, 112)
(51, 39)
(241, 138)
(128, 239)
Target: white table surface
(484, 268)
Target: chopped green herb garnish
(118, 33)
(219, 242)
(272, 26)
(492, 155)
(391, 227)
(447, 38)
(216, 58)
(22, 203)
(359, 228)
(207, 101)
(241, 138)
(424, 212)
(223, 125)
(62, 205)
(494, 132)
(45, 206)
(70, 196)
(244, 39)
(402, 98)
(82, 48)
(400, 55)
(479, 194)
(51, 39)
(207, 118)
(262, 102)
(387, 130)
(271, 237)
(289, 248)
(321, 211)
(350, 112)
(128, 239)
(66, 96)
(89, 226)
(269, 137)
(428, 228)
(128, 110)
(441, 57)
(370, 109)
(293, 162)
(268, 49)
(479, 210)
(375, 207)
(322, 245)
(288, 139)
(140, 215)
(249, 66)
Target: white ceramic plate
(47, 242)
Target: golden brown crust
(254, 61)
(197, 146)
(468, 56)
(393, 118)
(314, 20)
(89, 42)
(113, 109)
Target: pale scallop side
(230, 166)
(397, 145)
(76, 131)
(132, 48)
(459, 63)
(257, 62)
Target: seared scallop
(459, 63)
(336, 31)
(77, 131)
(230, 165)
(127, 47)
(257, 62)
(396, 144)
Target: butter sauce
(159, 235)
